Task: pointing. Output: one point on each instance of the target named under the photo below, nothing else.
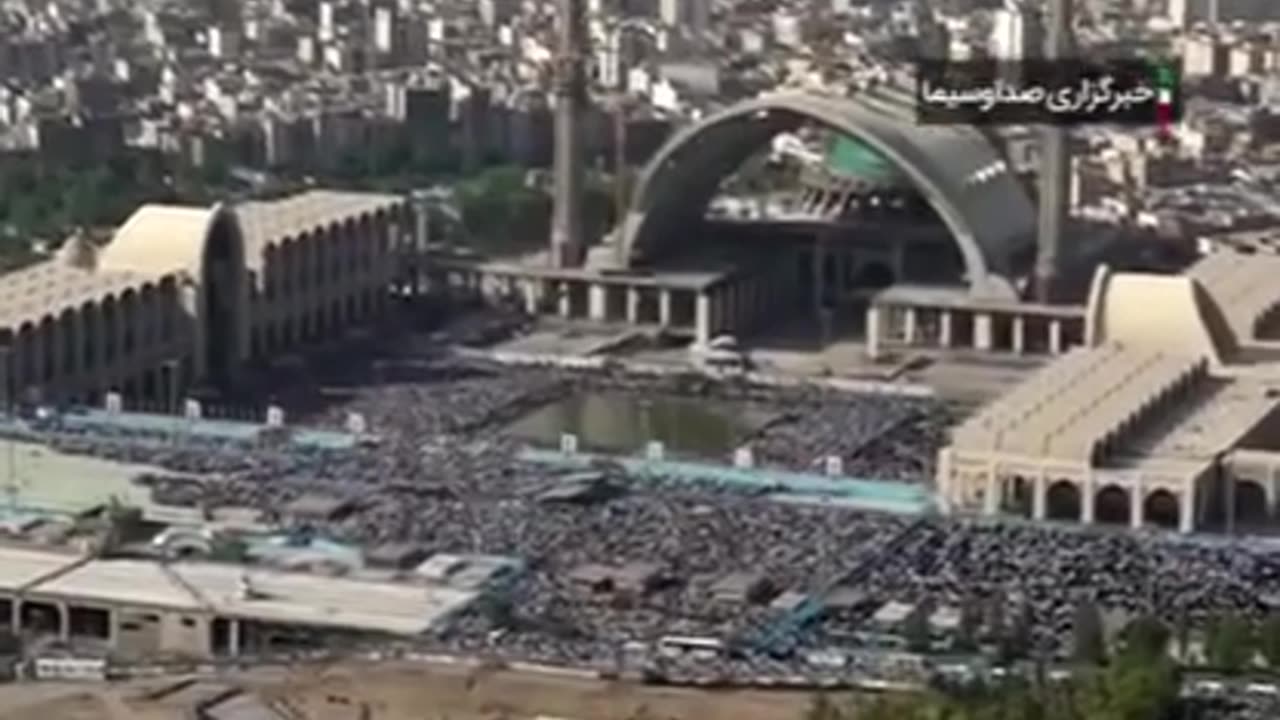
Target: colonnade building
(1168, 413)
(182, 295)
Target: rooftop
(282, 597)
(266, 222)
(20, 567)
(52, 286)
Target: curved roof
(1243, 286)
(1189, 321)
(955, 167)
(162, 239)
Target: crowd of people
(447, 476)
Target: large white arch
(956, 168)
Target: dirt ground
(414, 692)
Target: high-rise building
(326, 23)
(1185, 13)
(693, 15)
(496, 12)
(384, 30)
(1016, 32)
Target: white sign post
(275, 416)
(192, 410)
(834, 466)
(655, 451)
(568, 444)
(114, 403)
(743, 458)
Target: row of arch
(312, 285)
(97, 336)
(1111, 504)
(328, 258)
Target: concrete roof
(324, 601)
(1215, 422)
(1067, 408)
(1188, 320)
(52, 286)
(289, 598)
(20, 567)
(957, 169)
(160, 239)
(125, 582)
(268, 222)
(1244, 286)
(958, 298)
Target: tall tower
(567, 244)
(1055, 164)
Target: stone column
(664, 307)
(1019, 334)
(819, 275)
(38, 342)
(633, 306)
(564, 306)
(702, 318)
(910, 325)
(64, 621)
(1086, 501)
(873, 331)
(982, 333)
(597, 302)
(530, 290)
(1187, 511)
(1055, 337)
(233, 637)
(1039, 498)
(1136, 517)
(991, 497)
(945, 328)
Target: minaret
(567, 244)
(1055, 164)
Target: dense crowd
(446, 475)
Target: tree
(1230, 643)
(1146, 637)
(993, 617)
(1089, 645)
(1269, 639)
(967, 633)
(915, 630)
(1182, 626)
(1018, 634)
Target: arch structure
(957, 169)
(187, 294)
(207, 247)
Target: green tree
(1182, 627)
(915, 630)
(1018, 635)
(1269, 639)
(1229, 643)
(1088, 642)
(993, 617)
(967, 633)
(1146, 637)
